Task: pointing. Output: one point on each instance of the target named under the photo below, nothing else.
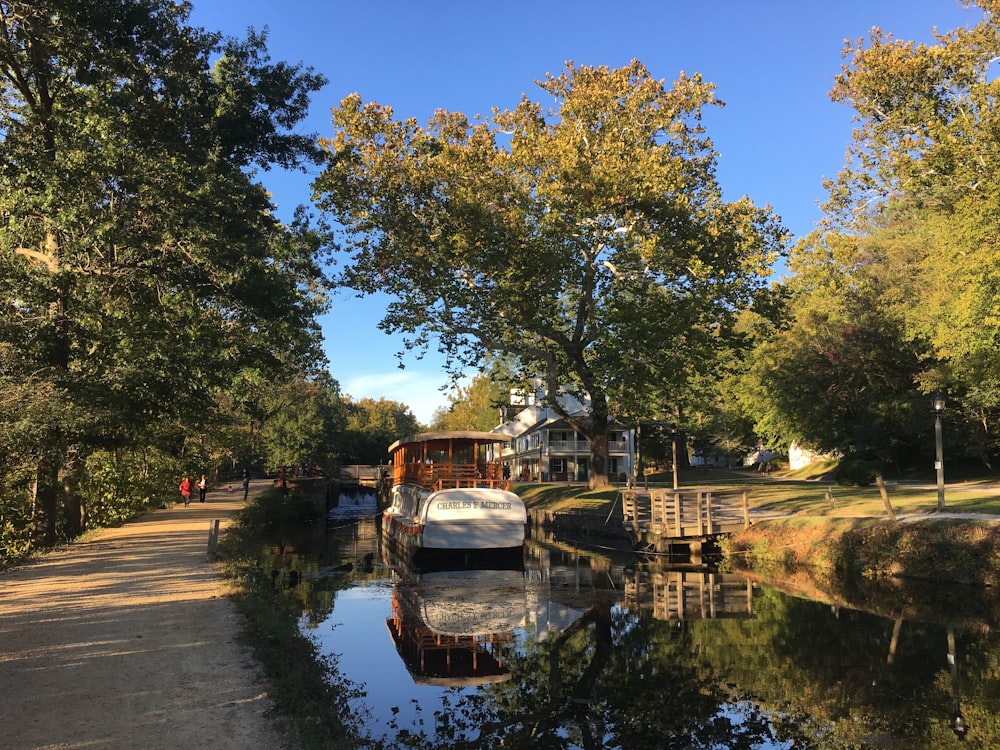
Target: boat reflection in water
(453, 626)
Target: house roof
(533, 419)
(525, 420)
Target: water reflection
(592, 648)
(450, 627)
(680, 594)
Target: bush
(117, 486)
(857, 471)
(15, 532)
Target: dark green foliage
(142, 268)
(857, 471)
(372, 426)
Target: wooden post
(746, 509)
(213, 539)
(659, 516)
(885, 498)
(613, 504)
(895, 640)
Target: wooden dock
(659, 519)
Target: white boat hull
(456, 519)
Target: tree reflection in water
(592, 665)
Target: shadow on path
(126, 640)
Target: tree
(306, 417)
(478, 405)
(840, 375)
(141, 265)
(372, 426)
(590, 245)
(921, 184)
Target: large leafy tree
(307, 417)
(480, 404)
(922, 184)
(142, 265)
(840, 376)
(590, 244)
(371, 427)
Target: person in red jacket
(186, 491)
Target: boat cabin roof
(461, 436)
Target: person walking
(246, 484)
(186, 491)
(202, 488)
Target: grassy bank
(785, 494)
(944, 549)
(306, 688)
(835, 530)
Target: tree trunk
(598, 476)
(680, 440)
(73, 512)
(598, 440)
(46, 514)
(50, 490)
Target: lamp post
(673, 451)
(938, 403)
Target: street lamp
(938, 403)
(673, 451)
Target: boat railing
(433, 477)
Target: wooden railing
(575, 446)
(435, 477)
(685, 513)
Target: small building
(800, 457)
(545, 448)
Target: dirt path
(126, 641)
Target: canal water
(578, 646)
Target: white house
(544, 448)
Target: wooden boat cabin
(448, 493)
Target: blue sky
(773, 62)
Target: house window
(557, 465)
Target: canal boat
(447, 495)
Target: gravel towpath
(127, 641)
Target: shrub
(857, 471)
